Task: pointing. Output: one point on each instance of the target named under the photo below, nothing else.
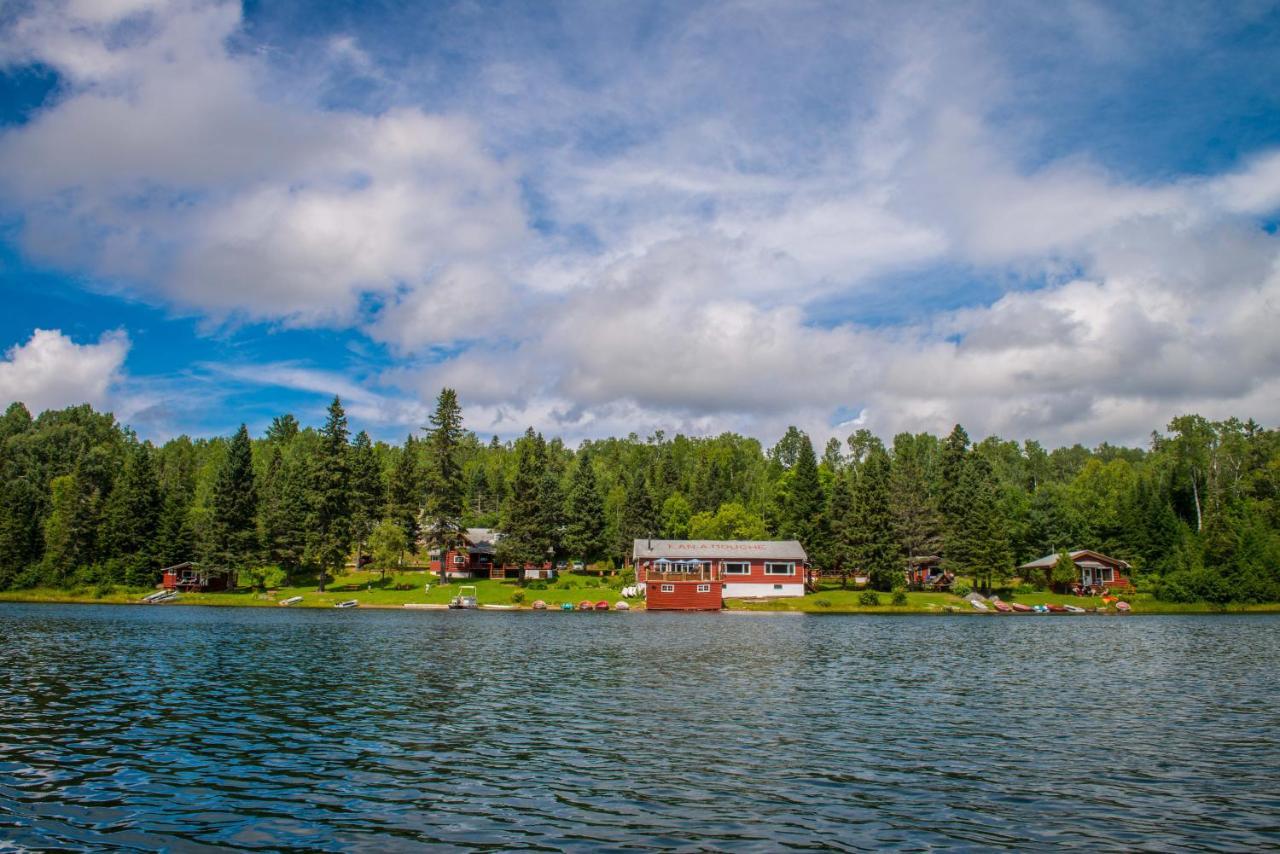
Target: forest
(86, 502)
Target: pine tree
(639, 515)
(841, 554)
(283, 429)
(233, 540)
(329, 497)
(68, 527)
(368, 497)
(446, 489)
(977, 544)
(804, 499)
(955, 449)
(132, 517)
(876, 544)
(404, 493)
(524, 537)
(284, 511)
(917, 521)
(584, 515)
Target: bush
(537, 584)
(961, 589)
(899, 597)
(101, 589)
(517, 596)
(869, 597)
(822, 603)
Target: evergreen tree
(525, 539)
(368, 497)
(841, 554)
(584, 515)
(404, 493)
(804, 499)
(233, 540)
(674, 517)
(284, 512)
(132, 517)
(283, 429)
(442, 512)
(68, 528)
(916, 519)
(955, 449)
(329, 497)
(977, 544)
(1064, 572)
(876, 544)
(639, 516)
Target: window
(777, 587)
(1107, 574)
(668, 588)
(737, 568)
(779, 568)
(704, 588)
(459, 559)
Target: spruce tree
(639, 515)
(524, 536)
(584, 513)
(404, 492)
(955, 449)
(977, 543)
(841, 553)
(368, 497)
(233, 530)
(329, 498)
(132, 517)
(441, 520)
(876, 544)
(804, 498)
(917, 521)
(284, 511)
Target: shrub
(961, 589)
(899, 597)
(537, 584)
(869, 597)
(101, 589)
(822, 603)
(517, 597)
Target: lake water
(173, 727)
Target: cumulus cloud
(170, 165)
(695, 215)
(51, 371)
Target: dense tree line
(84, 501)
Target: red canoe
(602, 605)
(1018, 606)
(1002, 606)
(1057, 609)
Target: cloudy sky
(1040, 220)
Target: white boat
(1074, 609)
(292, 600)
(350, 603)
(465, 600)
(979, 606)
(622, 606)
(159, 594)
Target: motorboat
(465, 600)
(292, 600)
(349, 603)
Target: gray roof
(647, 549)
(1049, 560)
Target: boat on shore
(539, 605)
(1001, 606)
(349, 603)
(1021, 608)
(1123, 607)
(465, 601)
(292, 600)
(1073, 609)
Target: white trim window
(774, 568)
(737, 567)
(704, 588)
(668, 588)
(459, 560)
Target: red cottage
(683, 585)
(192, 578)
(476, 560)
(1094, 569)
(739, 569)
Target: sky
(1048, 221)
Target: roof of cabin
(1081, 557)
(762, 549)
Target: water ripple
(206, 729)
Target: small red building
(683, 585)
(1094, 570)
(479, 559)
(193, 578)
(736, 569)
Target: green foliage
(441, 520)
(731, 522)
(675, 517)
(584, 535)
(899, 597)
(387, 544)
(517, 597)
(869, 598)
(961, 589)
(233, 529)
(328, 522)
(1064, 572)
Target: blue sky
(1042, 221)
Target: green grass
(366, 587)
(371, 591)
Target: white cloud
(51, 371)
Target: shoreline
(772, 607)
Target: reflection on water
(174, 727)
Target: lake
(179, 728)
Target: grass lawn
(366, 587)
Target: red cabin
(1095, 571)
(192, 578)
(683, 585)
(739, 569)
(479, 559)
